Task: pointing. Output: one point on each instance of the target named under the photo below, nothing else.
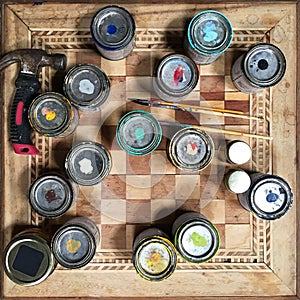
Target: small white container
(237, 181)
(238, 152)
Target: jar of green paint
(138, 133)
(195, 238)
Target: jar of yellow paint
(74, 244)
(51, 114)
(154, 256)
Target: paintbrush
(217, 130)
(196, 109)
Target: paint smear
(73, 245)
(139, 133)
(50, 196)
(191, 148)
(210, 32)
(156, 262)
(48, 113)
(178, 76)
(86, 166)
(198, 240)
(86, 87)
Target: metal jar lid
(73, 246)
(238, 152)
(210, 33)
(176, 75)
(197, 240)
(112, 28)
(50, 114)
(138, 132)
(51, 196)
(28, 260)
(155, 258)
(264, 65)
(270, 197)
(87, 87)
(191, 149)
(88, 163)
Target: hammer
(27, 86)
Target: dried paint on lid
(73, 246)
(51, 195)
(51, 114)
(210, 32)
(88, 163)
(191, 149)
(264, 65)
(112, 28)
(196, 239)
(87, 87)
(138, 133)
(175, 77)
(154, 258)
(270, 197)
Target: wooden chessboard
(256, 257)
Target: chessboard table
(256, 258)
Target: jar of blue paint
(138, 132)
(269, 197)
(209, 35)
(113, 31)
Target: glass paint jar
(209, 35)
(28, 259)
(88, 163)
(74, 244)
(176, 76)
(262, 66)
(87, 87)
(138, 133)
(195, 238)
(51, 195)
(154, 256)
(52, 115)
(191, 149)
(269, 197)
(113, 31)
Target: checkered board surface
(149, 190)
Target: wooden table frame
(290, 296)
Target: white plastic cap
(239, 152)
(238, 181)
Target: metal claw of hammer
(27, 87)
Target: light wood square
(162, 208)
(138, 187)
(215, 211)
(187, 187)
(160, 163)
(118, 162)
(237, 236)
(113, 211)
(114, 67)
(215, 68)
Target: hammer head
(31, 60)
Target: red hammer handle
(27, 87)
